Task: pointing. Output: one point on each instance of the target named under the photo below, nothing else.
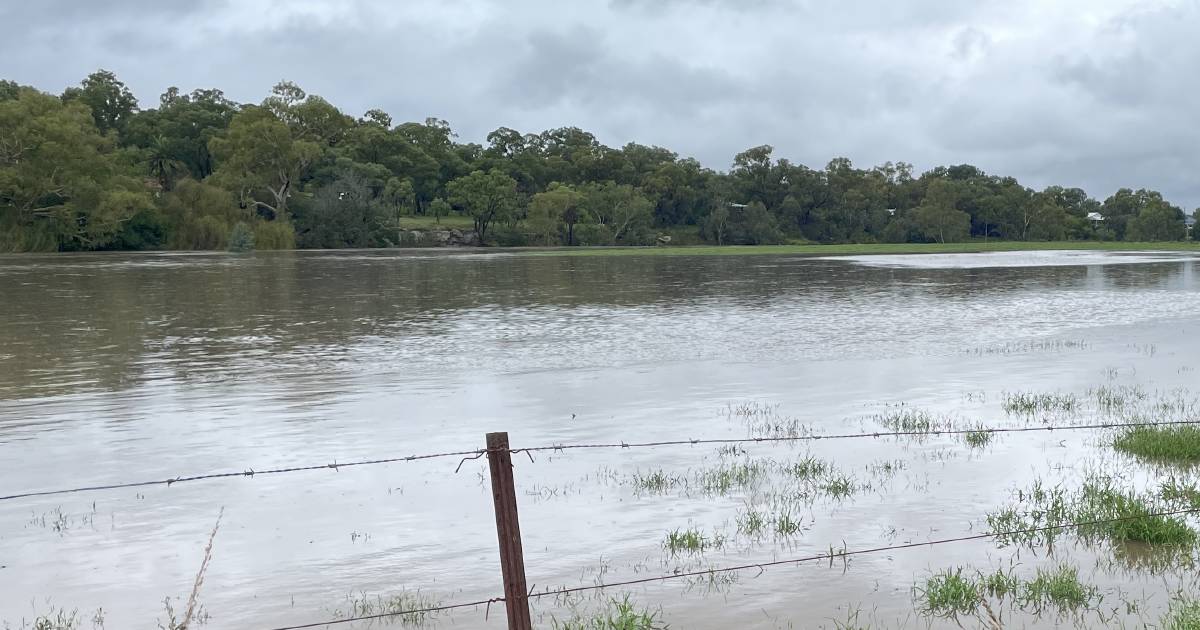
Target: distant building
(891, 211)
(1095, 217)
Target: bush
(241, 238)
(274, 235)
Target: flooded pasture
(117, 368)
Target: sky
(1100, 94)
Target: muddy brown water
(144, 366)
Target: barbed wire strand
(842, 436)
(246, 473)
(388, 615)
(478, 453)
(832, 555)
(843, 554)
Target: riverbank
(864, 249)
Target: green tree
(626, 212)
(341, 215)
(558, 207)
(260, 162)
(486, 197)
(110, 101)
(61, 184)
(201, 216)
(938, 219)
(1158, 221)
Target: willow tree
(61, 184)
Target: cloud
(1092, 93)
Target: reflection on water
(128, 366)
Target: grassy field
(453, 221)
(880, 248)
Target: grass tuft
(1030, 403)
(619, 614)
(1184, 614)
(1175, 445)
(690, 541)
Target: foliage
(241, 238)
(1180, 444)
(61, 184)
(91, 169)
(486, 196)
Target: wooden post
(512, 559)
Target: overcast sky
(1100, 94)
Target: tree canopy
(93, 168)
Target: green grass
(1129, 517)
(862, 249)
(950, 593)
(619, 614)
(427, 222)
(1176, 445)
(363, 605)
(1059, 587)
(1184, 614)
(1029, 403)
(690, 541)
(978, 439)
(727, 477)
(656, 481)
(808, 468)
(907, 419)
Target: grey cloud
(1094, 93)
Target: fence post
(512, 559)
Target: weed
(1177, 444)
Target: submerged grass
(1128, 517)
(1030, 403)
(618, 614)
(1184, 614)
(1173, 444)
(691, 541)
(907, 419)
(390, 608)
(951, 593)
(977, 439)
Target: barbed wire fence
(499, 453)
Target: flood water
(126, 367)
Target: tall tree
(61, 184)
(486, 197)
(110, 101)
(260, 161)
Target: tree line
(91, 169)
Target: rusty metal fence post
(508, 530)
